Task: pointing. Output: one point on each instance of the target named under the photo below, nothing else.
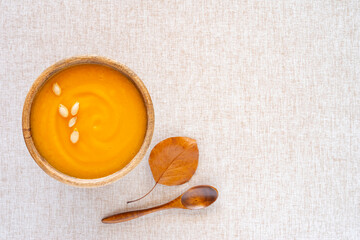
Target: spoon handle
(127, 216)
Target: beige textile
(270, 90)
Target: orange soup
(88, 121)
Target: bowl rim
(26, 127)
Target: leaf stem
(142, 196)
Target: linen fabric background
(270, 90)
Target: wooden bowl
(49, 169)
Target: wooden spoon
(195, 198)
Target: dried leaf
(173, 161)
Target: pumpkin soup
(88, 121)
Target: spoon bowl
(199, 197)
(196, 197)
